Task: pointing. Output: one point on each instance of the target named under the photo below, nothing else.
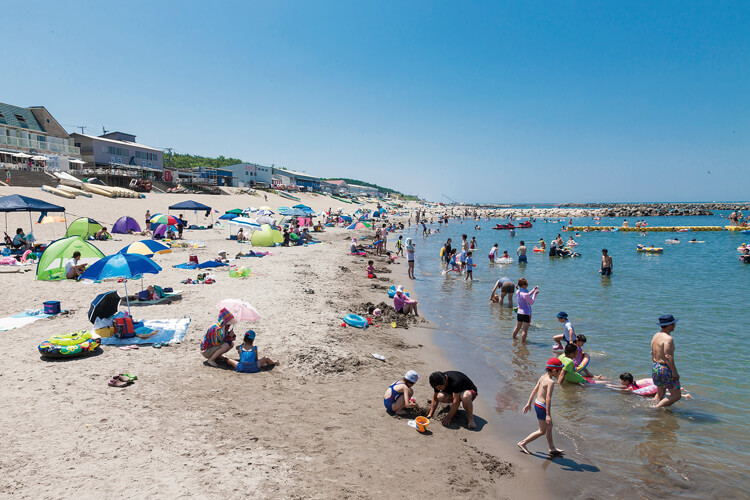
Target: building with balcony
(119, 150)
(33, 135)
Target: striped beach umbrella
(146, 247)
(165, 219)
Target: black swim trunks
(523, 318)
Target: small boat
(504, 226)
(525, 224)
(284, 194)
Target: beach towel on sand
(19, 320)
(170, 330)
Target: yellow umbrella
(264, 207)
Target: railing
(40, 146)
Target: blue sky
(480, 101)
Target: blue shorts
(247, 367)
(606, 271)
(522, 258)
(541, 412)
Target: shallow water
(622, 446)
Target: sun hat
(399, 289)
(250, 334)
(411, 376)
(554, 363)
(562, 314)
(667, 319)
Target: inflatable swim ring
(25, 255)
(356, 321)
(359, 253)
(87, 343)
(741, 248)
(442, 252)
(392, 292)
(537, 249)
(646, 387)
(584, 363)
(672, 241)
(572, 244)
(502, 260)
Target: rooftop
(15, 116)
(113, 141)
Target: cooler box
(52, 307)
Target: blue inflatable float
(392, 292)
(356, 321)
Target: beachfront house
(337, 187)
(118, 150)
(249, 175)
(367, 191)
(32, 138)
(295, 181)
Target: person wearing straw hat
(664, 372)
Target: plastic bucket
(422, 423)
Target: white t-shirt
(69, 266)
(493, 252)
(569, 332)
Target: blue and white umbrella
(121, 265)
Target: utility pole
(169, 150)
(82, 127)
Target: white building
(249, 174)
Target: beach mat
(19, 320)
(167, 297)
(170, 330)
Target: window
(47, 120)
(20, 118)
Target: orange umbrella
(48, 219)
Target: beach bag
(124, 328)
(193, 259)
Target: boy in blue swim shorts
(664, 372)
(542, 397)
(249, 361)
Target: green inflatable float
(266, 236)
(52, 262)
(83, 227)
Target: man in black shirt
(447, 251)
(453, 388)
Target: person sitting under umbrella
(219, 338)
(72, 268)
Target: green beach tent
(266, 236)
(83, 227)
(52, 262)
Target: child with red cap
(543, 406)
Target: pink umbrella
(240, 309)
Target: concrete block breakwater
(658, 209)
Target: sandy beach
(313, 427)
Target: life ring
(356, 321)
(646, 387)
(503, 260)
(87, 344)
(74, 338)
(25, 255)
(537, 249)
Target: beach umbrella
(165, 219)
(104, 306)
(228, 216)
(245, 222)
(146, 247)
(293, 212)
(359, 225)
(49, 219)
(264, 207)
(237, 211)
(250, 210)
(265, 212)
(264, 219)
(121, 265)
(240, 309)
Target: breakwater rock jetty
(658, 209)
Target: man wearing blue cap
(664, 372)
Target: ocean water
(621, 446)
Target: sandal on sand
(127, 377)
(157, 345)
(116, 382)
(128, 347)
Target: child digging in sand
(249, 361)
(542, 397)
(399, 394)
(371, 269)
